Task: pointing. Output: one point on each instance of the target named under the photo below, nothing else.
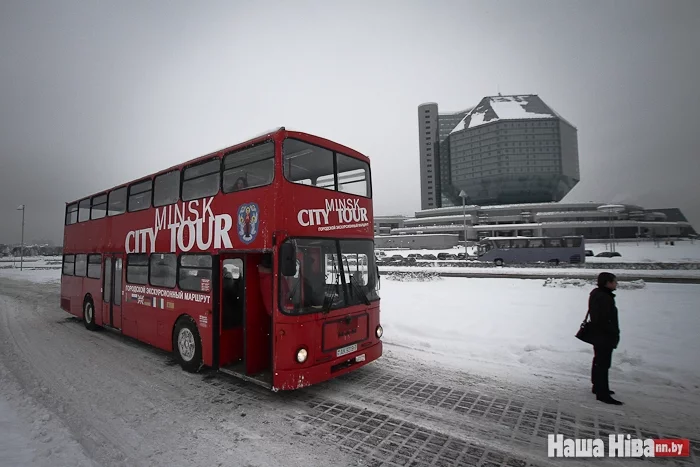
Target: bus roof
(221, 152)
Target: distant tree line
(30, 250)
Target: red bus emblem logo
(248, 221)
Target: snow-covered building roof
(495, 108)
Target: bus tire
(89, 314)
(498, 262)
(187, 345)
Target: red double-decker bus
(256, 260)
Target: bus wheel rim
(88, 312)
(185, 344)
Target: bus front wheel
(187, 346)
(498, 262)
(89, 314)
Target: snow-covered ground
(522, 328)
(528, 325)
(31, 436)
(31, 261)
(645, 252)
(37, 276)
(667, 274)
(71, 397)
(38, 269)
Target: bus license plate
(346, 350)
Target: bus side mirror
(288, 260)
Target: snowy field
(526, 326)
(670, 275)
(645, 252)
(66, 395)
(524, 329)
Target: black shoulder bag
(585, 332)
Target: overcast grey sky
(93, 94)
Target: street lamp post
(612, 210)
(463, 195)
(21, 248)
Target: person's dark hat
(604, 278)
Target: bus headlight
(379, 332)
(302, 355)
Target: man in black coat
(606, 334)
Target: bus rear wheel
(89, 314)
(187, 345)
(498, 262)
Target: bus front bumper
(285, 380)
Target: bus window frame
(63, 266)
(195, 164)
(549, 242)
(87, 200)
(236, 151)
(93, 205)
(180, 266)
(128, 195)
(334, 154)
(536, 239)
(519, 243)
(98, 264)
(126, 200)
(69, 211)
(179, 188)
(125, 265)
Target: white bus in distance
(513, 250)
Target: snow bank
(520, 329)
(546, 272)
(645, 252)
(589, 283)
(412, 276)
(38, 269)
(39, 276)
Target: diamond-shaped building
(506, 150)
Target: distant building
(540, 219)
(675, 215)
(417, 242)
(387, 223)
(507, 149)
(514, 158)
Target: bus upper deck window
(353, 176)
(249, 168)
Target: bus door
(232, 309)
(112, 291)
(245, 334)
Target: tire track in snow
(125, 405)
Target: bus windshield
(483, 247)
(322, 264)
